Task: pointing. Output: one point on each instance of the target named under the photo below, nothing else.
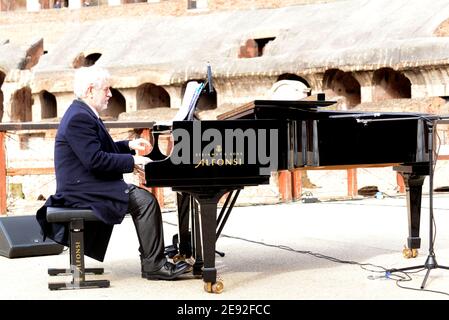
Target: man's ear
(88, 91)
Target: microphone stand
(431, 262)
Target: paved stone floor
(296, 251)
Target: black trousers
(146, 214)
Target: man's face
(99, 96)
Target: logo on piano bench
(226, 147)
(78, 254)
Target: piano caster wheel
(409, 253)
(216, 287)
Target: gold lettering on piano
(230, 154)
(219, 162)
(234, 146)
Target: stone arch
(2, 79)
(207, 100)
(149, 96)
(390, 84)
(48, 105)
(443, 29)
(292, 76)
(289, 87)
(86, 61)
(339, 84)
(116, 105)
(21, 105)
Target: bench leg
(77, 268)
(55, 272)
(81, 285)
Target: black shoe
(169, 271)
(142, 268)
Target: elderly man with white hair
(89, 169)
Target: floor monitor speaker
(20, 236)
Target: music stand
(431, 262)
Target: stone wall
(162, 7)
(25, 27)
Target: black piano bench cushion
(64, 214)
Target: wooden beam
(297, 184)
(29, 171)
(2, 174)
(352, 182)
(285, 185)
(400, 182)
(16, 126)
(443, 157)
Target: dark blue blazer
(89, 169)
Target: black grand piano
(214, 158)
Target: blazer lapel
(102, 124)
(83, 105)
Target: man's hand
(139, 160)
(139, 144)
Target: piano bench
(75, 218)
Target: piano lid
(250, 109)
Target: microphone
(209, 78)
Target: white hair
(89, 76)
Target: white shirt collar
(91, 108)
(94, 111)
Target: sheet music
(185, 112)
(188, 101)
(188, 104)
(194, 101)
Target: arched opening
(89, 60)
(390, 84)
(249, 50)
(254, 47)
(289, 87)
(196, 4)
(2, 79)
(292, 76)
(341, 85)
(206, 101)
(33, 55)
(152, 96)
(443, 29)
(21, 105)
(48, 105)
(116, 105)
(133, 1)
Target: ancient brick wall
(167, 7)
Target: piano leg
(183, 201)
(208, 212)
(196, 238)
(189, 244)
(206, 223)
(413, 180)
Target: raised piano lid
(250, 110)
(309, 110)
